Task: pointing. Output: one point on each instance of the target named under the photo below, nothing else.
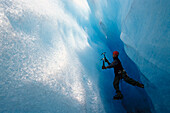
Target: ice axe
(104, 54)
(103, 59)
(103, 62)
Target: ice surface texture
(50, 53)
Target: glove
(103, 67)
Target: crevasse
(50, 53)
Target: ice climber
(120, 73)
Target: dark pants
(123, 75)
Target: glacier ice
(50, 53)
(145, 33)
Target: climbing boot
(118, 96)
(140, 85)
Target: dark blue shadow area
(135, 99)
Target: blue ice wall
(145, 33)
(50, 53)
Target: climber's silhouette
(120, 73)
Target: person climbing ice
(120, 73)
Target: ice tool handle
(103, 59)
